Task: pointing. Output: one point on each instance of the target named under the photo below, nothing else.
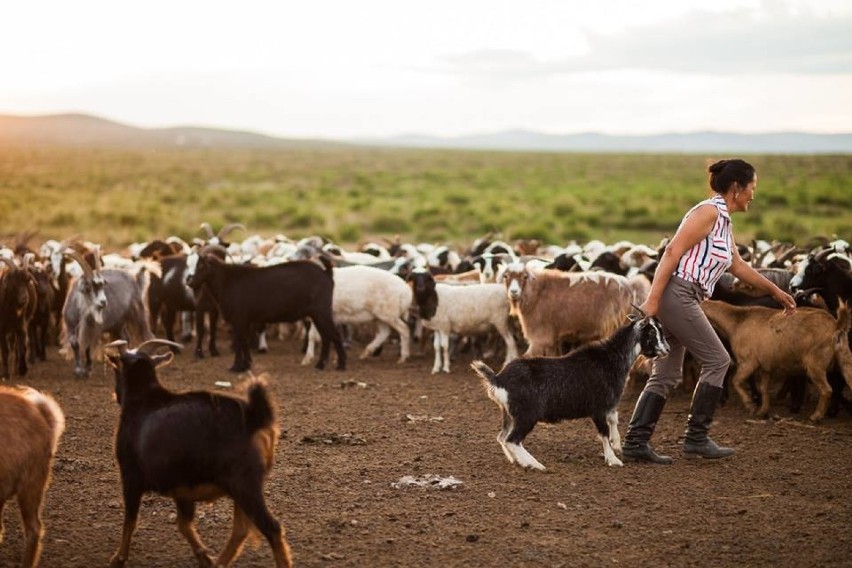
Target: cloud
(738, 42)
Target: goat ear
(162, 360)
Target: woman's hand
(785, 299)
(650, 307)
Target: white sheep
(363, 294)
(461, 309)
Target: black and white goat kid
(587, 382)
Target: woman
(702, 249)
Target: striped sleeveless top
(705, 262)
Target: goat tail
(50, 411)
(487, 373)
(484, 371)
(260, 412)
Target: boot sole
(693, 456)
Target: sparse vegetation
(119, 196)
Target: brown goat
(555, 306)
(767, 342)
(35, 422)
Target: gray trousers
(687, 328)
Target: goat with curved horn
(78, 258)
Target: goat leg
(250, 500)
(186, 514)
(4, 347)
(239, 532)
(132, 501)
(21, 350)
(29, 501)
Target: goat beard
(96, 316)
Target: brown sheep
(35, 422)
(767, 342)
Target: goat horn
(229, 228)
(148, 346)
(823, 254)
(9, 262)
(638, 309)
(28, 258)
(76, 256)
(208, 229)
(119, 344)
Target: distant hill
(92, 131)
(692, 142)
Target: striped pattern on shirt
(705, 262)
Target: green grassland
(120, 196)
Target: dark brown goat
(194, 446)
(17, 306)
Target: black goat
(829, 272)
(194, 446)
(179, 297)
(588, 382)
(17, 305)
(287, 292)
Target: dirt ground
(785, 498)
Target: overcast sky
(343, 68)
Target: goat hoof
(214, 352)
(204, 559)
(199, 354)
(117, 562)
(239, 368)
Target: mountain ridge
(79, 129)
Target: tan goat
(768, 343)
(555, 306)
(32, 423)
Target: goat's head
(813, 270)
(515, 277)
(91, 286)
(133, 367)
(200, 265)
(652, 339)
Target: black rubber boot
(698, 444)
(645, 415)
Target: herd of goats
(574, 305)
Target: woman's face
(743, 196)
